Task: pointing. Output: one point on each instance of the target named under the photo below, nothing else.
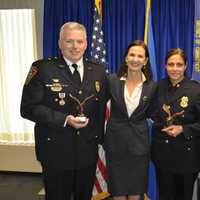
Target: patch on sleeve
(33, 71)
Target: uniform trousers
(175, 186)
(63, 184)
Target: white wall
(22, 158)
(38, 5)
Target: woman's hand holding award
(171, 117)
(170, 128)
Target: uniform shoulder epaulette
(52, 58)
(38, 62)
(195, 81)
(44, 61)
(95, 64)
(91, 61)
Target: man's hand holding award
(80, 120)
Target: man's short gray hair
(72, 26)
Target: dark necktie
(76, 75)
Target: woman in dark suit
(126, 140)
(176, 131)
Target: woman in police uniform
(176, 131)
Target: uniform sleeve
(193, 129)
(153, 104)
(102, 108)
(33, 105)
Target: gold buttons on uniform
(167, 141)
(80, 92)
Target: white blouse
(132, 101)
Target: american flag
(100, 187)
(98, 52)
(98, 55)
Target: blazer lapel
(117, 92)
(121, 96)
(143, 99)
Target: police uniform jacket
(128, 135)
(177, 154)
(48, 97)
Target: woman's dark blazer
(126, 134)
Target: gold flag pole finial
(98, 4)
(146, 21)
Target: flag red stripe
(102, 168)
(97, 186)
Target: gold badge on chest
(97, 86)
(184, 101)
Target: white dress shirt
(132, 101)
(80, 67)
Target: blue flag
(151, 47)
(149, 40)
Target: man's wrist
(66, 120)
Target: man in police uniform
(65, 98)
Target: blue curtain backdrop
(123, 21)
(173, 22)
(56, 13)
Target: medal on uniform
(56, 86)
(97, 86)
(184, 102)
(61, 66)
(61, 96)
